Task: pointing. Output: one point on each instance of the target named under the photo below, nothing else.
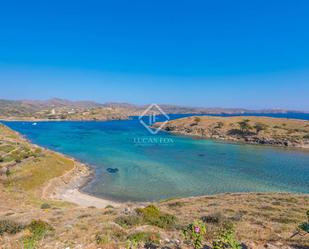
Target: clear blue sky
(252, 54)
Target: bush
(146, 237)
(219, 125)
(215, 218)
(305, 226)
(226, 238)
(153, 216)
(10, 227)
(150, 215)
(197, 119)
(45, 206)
(260, 127)
(38, 229)
(128, 221)
(102, 239)
(194, 233)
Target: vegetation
(128, 221)
(219, 125)
(256, 130)
(194, 233)
(10, 227)
(303, 228)
(197, 119)
(146, 237)
(260, 127)
(37, 230)
(153, 216)
(45, 206)
(226, 238)
(244, 126)
(150, 215)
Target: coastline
(68, 187)
(304, 148)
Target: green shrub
(305, 226)
(10, 227)
(45, 206)
(215, 218)
(145, 237)
(194, 233)
(128, 221)
(102, 239)
(153, 216)
(226, 238)
(260, 127)
(38, 229)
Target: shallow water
(164, 165)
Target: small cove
(179, 167)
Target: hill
(61, 109)
(255, 130)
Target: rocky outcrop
(276, 132)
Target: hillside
(58, 109)
(255, 130)
(61, 109)
(30, 219)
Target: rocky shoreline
(274, 131)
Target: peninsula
(253, 130)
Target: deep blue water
(152, 167)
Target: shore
(68, 188)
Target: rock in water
(112, 170)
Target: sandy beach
(67, 188)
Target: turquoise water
(171, 166)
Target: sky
(250, 54)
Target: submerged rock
(112, 170)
